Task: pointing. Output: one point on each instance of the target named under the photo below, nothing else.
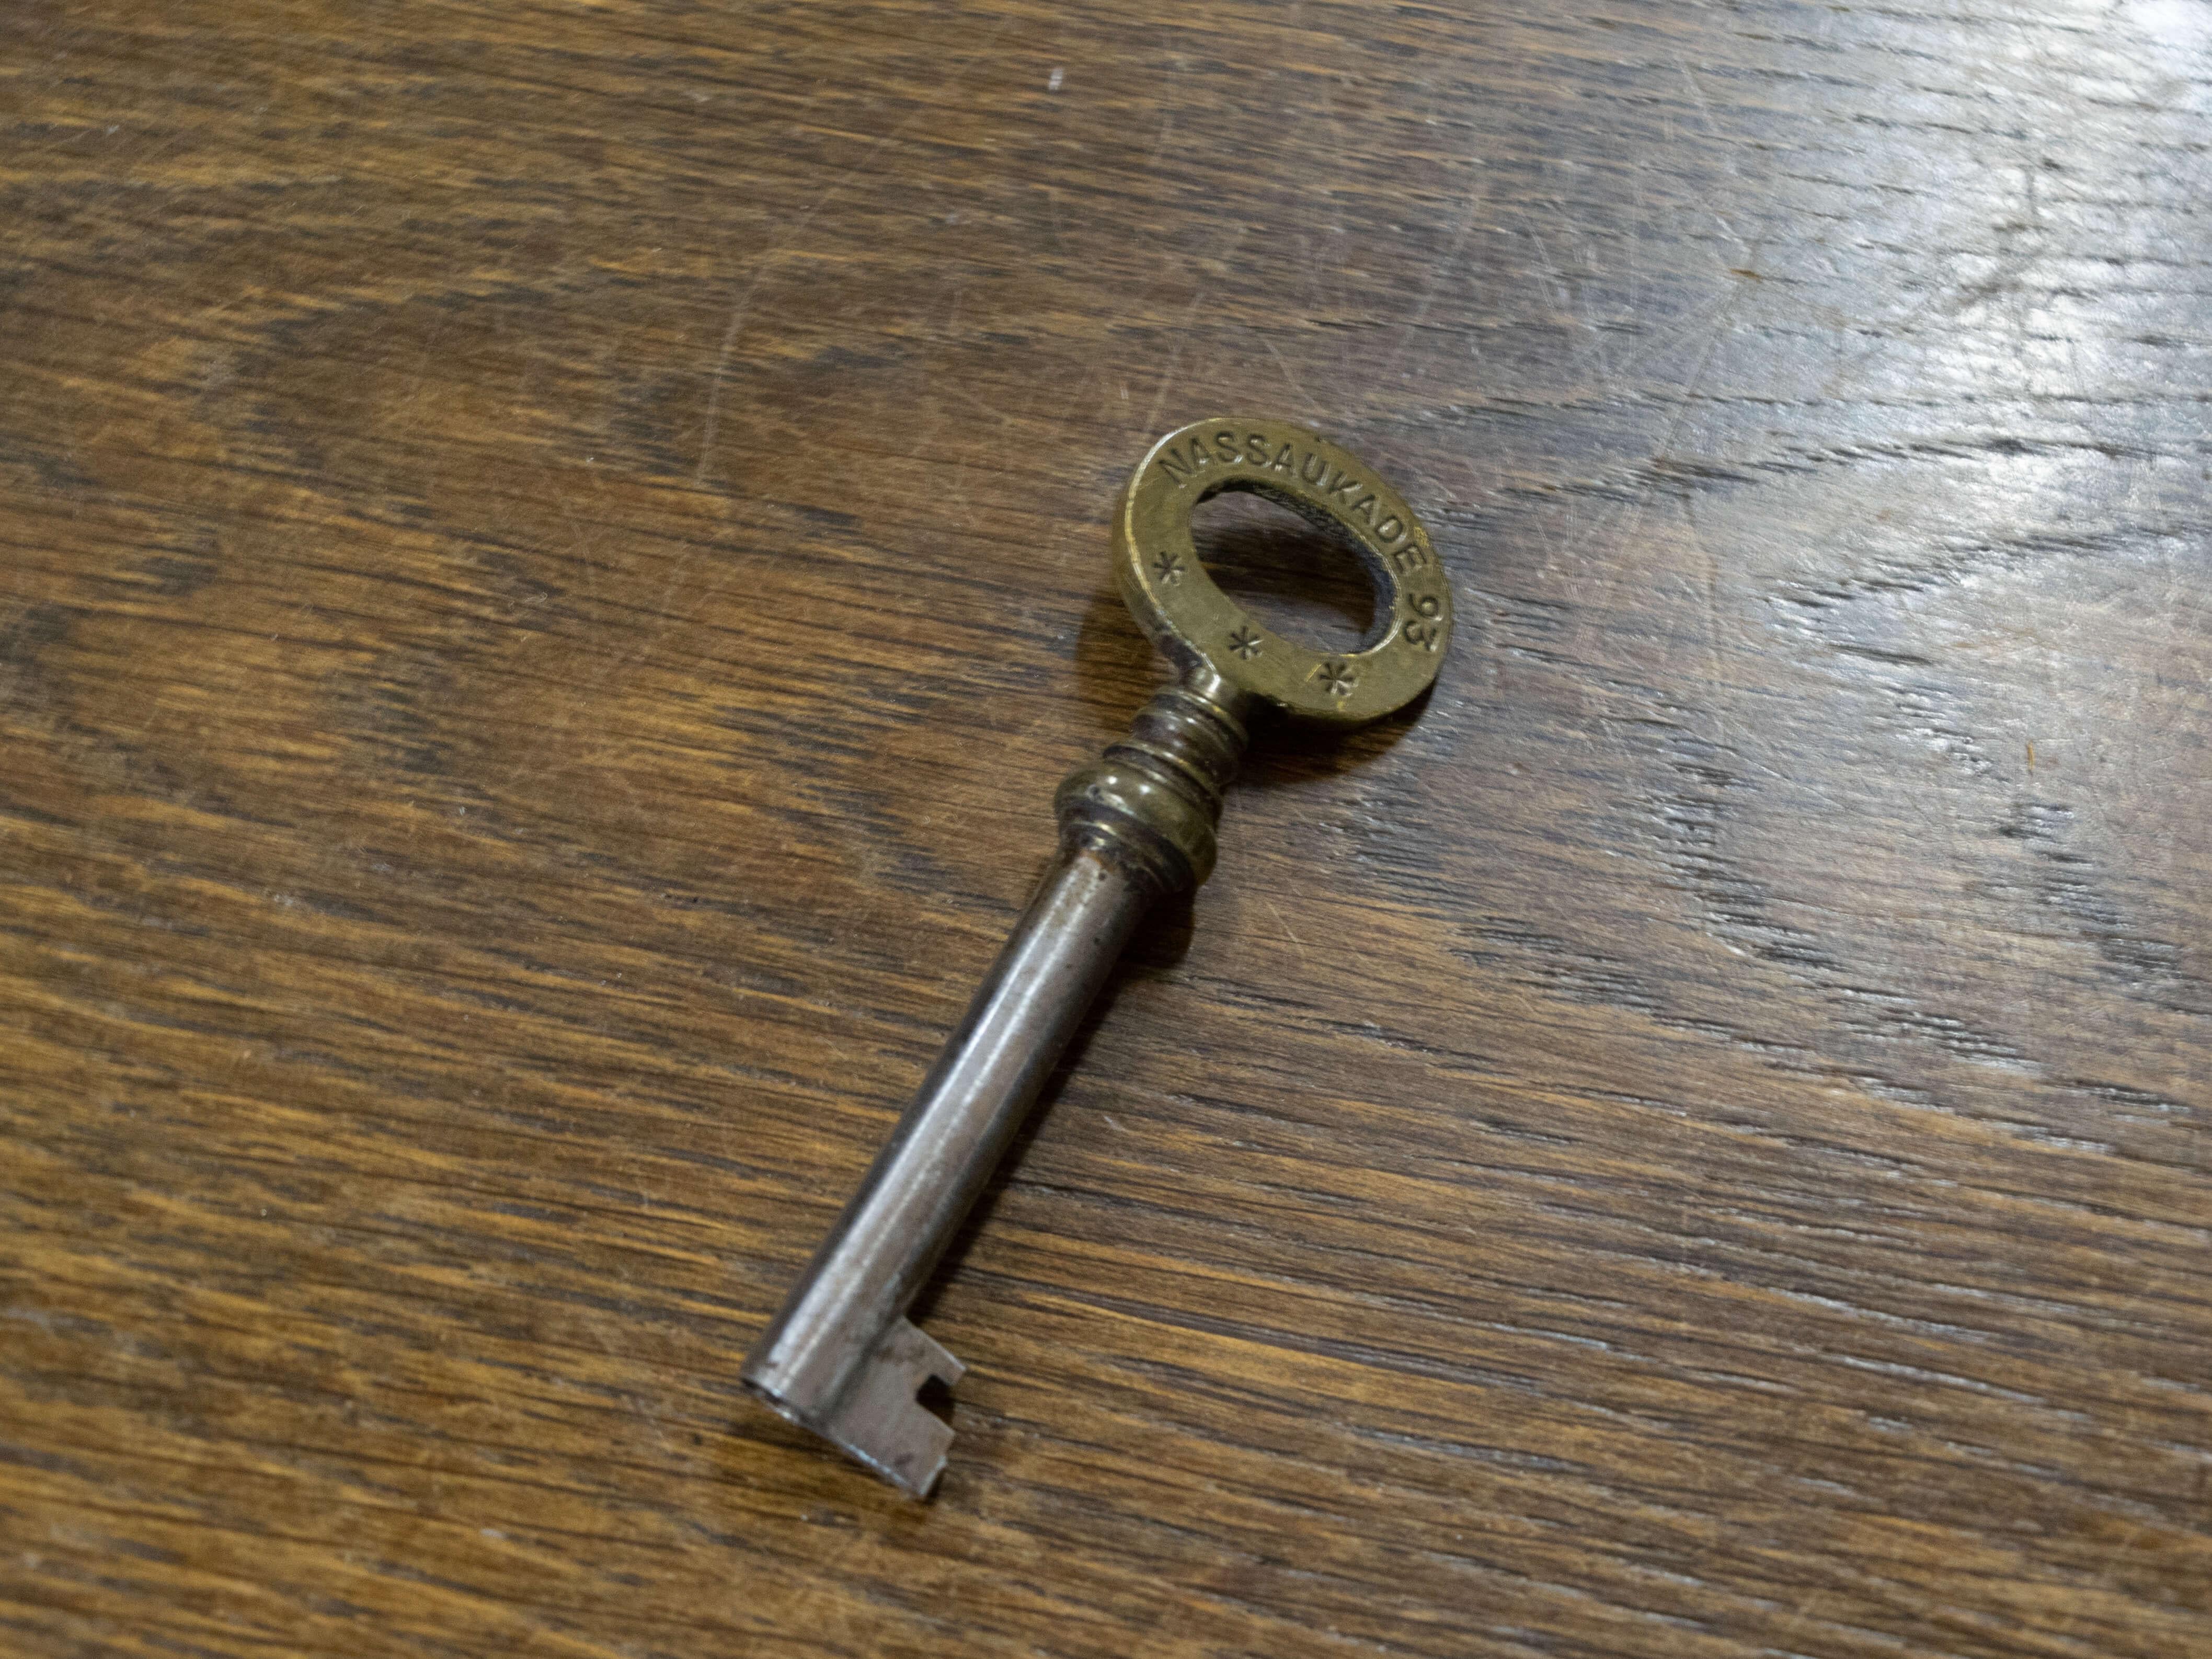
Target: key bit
(841, 1358)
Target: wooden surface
(554, 554)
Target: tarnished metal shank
(841, 1359)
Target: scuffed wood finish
(554, 554)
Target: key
(843, 1358)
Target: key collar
(1197, 626)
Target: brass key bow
(841, 1358)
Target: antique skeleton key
(841, 1358)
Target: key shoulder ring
(841, 1358)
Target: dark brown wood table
(555, 553)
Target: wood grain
(554, 554)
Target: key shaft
(841, 1358)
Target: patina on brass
(841, 1358)
(1198, 628)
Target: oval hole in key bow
(1306, 583)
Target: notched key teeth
(880, 1418)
